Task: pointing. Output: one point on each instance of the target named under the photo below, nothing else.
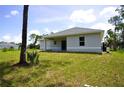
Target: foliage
(19, 45)
(32, 46)
(118, 22)
(33, 57)
(115, 20)
(4, 49)
(8, 49)
(112, 39)
(121, 10)
(11, 49)
(34, 38)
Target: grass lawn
(64, 69)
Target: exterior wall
(92, 43)
(45, 45)
(57, 46)
(50, 45)
(42, 44)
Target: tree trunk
(114, 46)
(36, 38)
(24, 36)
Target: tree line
(115, 38)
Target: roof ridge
(75, 30)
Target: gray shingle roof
(74, 31)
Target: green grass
(64, 69)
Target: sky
(44, 19)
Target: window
(54, 42)
(81, 41)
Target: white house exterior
(8, 45)
(74, 40)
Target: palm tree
(24, 36)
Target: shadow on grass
(5, 68)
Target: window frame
(54, 42)
(81, 41)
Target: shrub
(11, 49)
(33, 57)
(32, 46)
(8, 49)
(4, 49)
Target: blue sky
(45, 19)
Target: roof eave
(102, 31)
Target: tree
(118, 22)
(34, 38)
(121, 11)
(112, 39)
(121, 25)
(19, 45)
(24, 36)
(115, 20)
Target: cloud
(77, 16)
(108, 12)
(83, 16)
(48, 31)
(11, 38)
(17, 38)
(7, 16)
(14, 12)
(103, 26)
(6, 37)
(70, 26)
(38, 32)
(47, 20)
(42, 32)
(34, 32)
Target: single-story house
(8, 45)
(75, 39)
